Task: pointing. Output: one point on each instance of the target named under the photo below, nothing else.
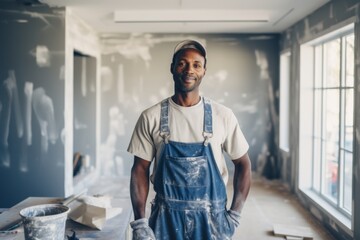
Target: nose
(188, 68)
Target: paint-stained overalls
(190, 200)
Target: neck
(186, 99)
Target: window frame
(305, 135)
(284, 120)
(339, 203)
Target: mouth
(188, 79)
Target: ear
(172, 68)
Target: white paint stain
(83, 77)
(111, 163)
(120, 84)
(28, 91)
(262, 62)
(250, 107)
(42, 56)
(11, 101)
(136, 45)
(309, 31)
(44, 111)
(164, 92)
(107, 81)
(37, 15)
(11, 86)
(4, 132)
(79, 125)
(253, 141)
(221, 76)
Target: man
(186, 136)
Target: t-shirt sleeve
(141, 143)
(235, 144)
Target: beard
(183, 87)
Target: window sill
(340, 219)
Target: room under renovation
(179, 120)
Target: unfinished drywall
(323, 20)
(242, 73)
(32, 102)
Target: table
(115, 228)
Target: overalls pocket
(186, 171)
(221, 226)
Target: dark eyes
(183, 64)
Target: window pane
(350, 60)
(331, 174)
(331, 138)
(349, 119)
(348, 163)
(317, 113)
(317, 164)
(318, 66)
(284, 100)
(332, 63)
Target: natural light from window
(284, 100)
(326, 118)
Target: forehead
(190, 55)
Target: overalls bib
(190, 200)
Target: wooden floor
(269, 203)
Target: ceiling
(190, 16)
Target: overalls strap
(208, 130)
(164, 120)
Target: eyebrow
(183, 59)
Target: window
(326, 118)
(284, 100)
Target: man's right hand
(141, 230)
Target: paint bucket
(45, 222)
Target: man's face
(188, 69)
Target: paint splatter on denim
(190, 200)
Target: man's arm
(139, 186)
(241, 182)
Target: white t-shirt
(186, 125)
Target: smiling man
(185, 137)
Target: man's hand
(235, 217)
(241, 183)
(141, 230)
(139, 186)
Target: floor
(269, 203)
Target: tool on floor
(291, 232)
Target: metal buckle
(165, 136)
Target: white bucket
(45, 222)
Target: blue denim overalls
(190, 200)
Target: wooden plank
(12, 217)
(292, 231)
(293, 238)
